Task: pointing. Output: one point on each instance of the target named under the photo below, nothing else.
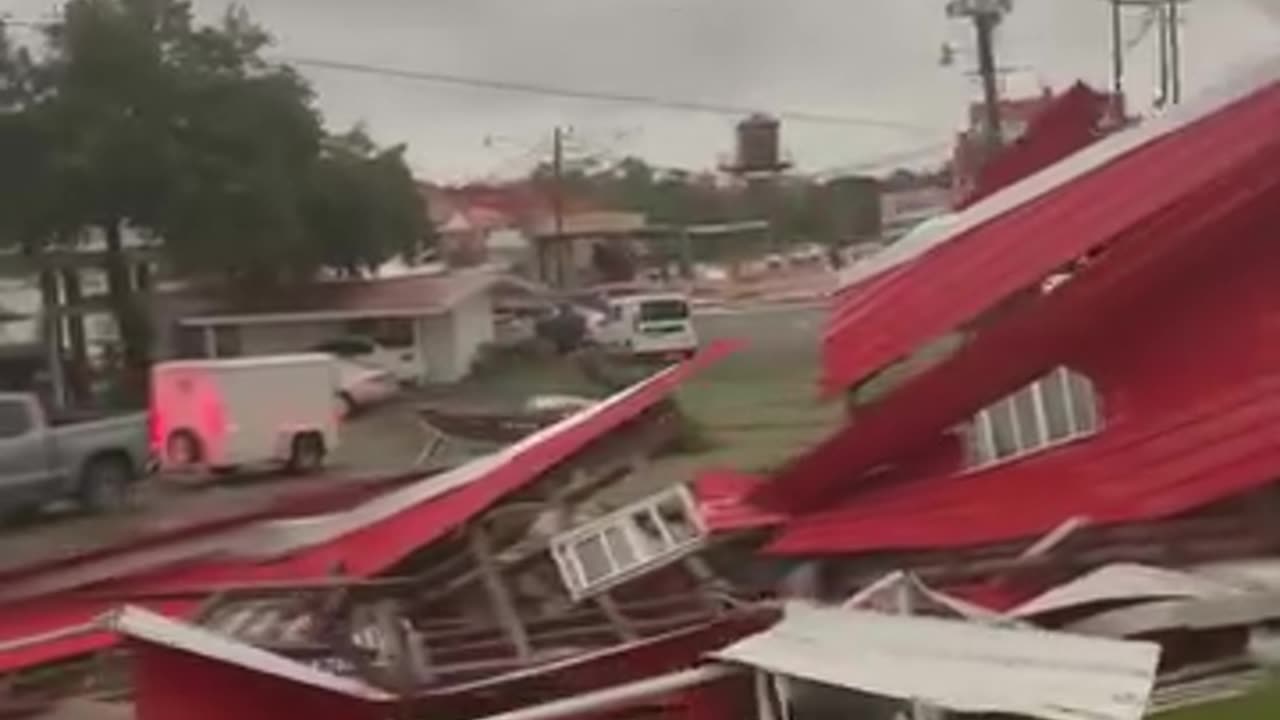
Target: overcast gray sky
(862, 58)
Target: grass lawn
(1261, 705)
(758, 407)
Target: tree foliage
(135, 115)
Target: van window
(15, 419)
(664, 310)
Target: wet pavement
(379, 443)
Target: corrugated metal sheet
(1014, 238)
(1122, 582)
(140, 625)
(955, 665)
(1204, 454)
(1220, 230)
(1072, 121)
(724, 503)
(63, 627)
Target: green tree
(136, 116)
(362, 206)
(246, 136)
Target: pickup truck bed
(44, 459)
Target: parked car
(361, 386)
(405, 363)
(44, 458)
(224, 414)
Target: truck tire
(106, 483)
(306, 454)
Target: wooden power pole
(986, 15)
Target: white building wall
(451, 342)
(473, 327)
(435, 346)
(273, 338)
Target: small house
(435, 325)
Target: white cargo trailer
(231, 413)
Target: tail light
(155, 431)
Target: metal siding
(957, 280)
(1147, 472)
(957, 665)
(1164, 282)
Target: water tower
(758, 153)
(758, 162)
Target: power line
(529, 88)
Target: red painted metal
(174, 685)
(1106, 320)
(724, 501)
(955, 282)
(365, 551)
(1138, 471)
(187, 684)
(63, 627)
(1070, 122)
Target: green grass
(1263, 704)
(760, 408)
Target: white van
(230, 413)
(648, 325)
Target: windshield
(664, 310)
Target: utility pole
(1175, 52)
(549, 254)
(1165, 16)
(986, 15)
(1162, 51)
(1117, 48)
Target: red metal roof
(1190, 460)
(1070, 122)
(724, 501)
(1033, 336)
(364, 540)
(63, 627)
(1014, 238)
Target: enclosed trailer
(230, 413)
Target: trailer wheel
(183, 449)
(105, 484)
(307, 453)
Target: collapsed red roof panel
(1070, 122)
(365, 540)
(59, 628)
(1017, 236)
(1203, 455)
(1179, 239)
(724, 501)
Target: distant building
(439, 320)
(564, 255)
(908, 199)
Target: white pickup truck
(43, 458)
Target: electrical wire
(530, 88)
